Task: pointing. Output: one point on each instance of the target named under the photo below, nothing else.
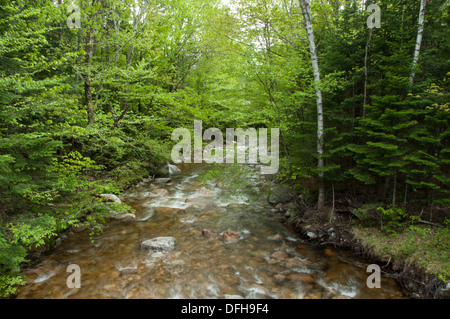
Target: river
(267, 260)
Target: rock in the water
(157, 254)
(167, 210)
(279, 278)
(206, 192)
(201, 202)
(124, 217)
(209, 233)
(301, 278)
(271, 261)
(173, 170)
(169, 170)
(281, 194)
(159, 244)
(293, 262)
(218, 210)
(162, 180)
(160, 192)
(111, 198)
(279, 255)
(276, 237)
(178, 262)
(230, 236)
(192, 210)
(236, 206)
(128, 271)
(111, 288)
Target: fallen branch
(429, 223)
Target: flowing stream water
(267, 261)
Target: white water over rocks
(180, 262)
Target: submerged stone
(159, 244)
(230, 236)
(276, 237)
(301, 278)
(124, 217)
(167, 210)
(160, 192)
(279, 255)
(162, 180)
(209, 233)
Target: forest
(91, 91)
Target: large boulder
(281, 194)
(159, 244)
(169, 170)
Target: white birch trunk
(423, 4)
(306, 10)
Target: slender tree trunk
(432, 206)
(332, 216)
(385, 188)
(423, 4)
(394, 191)
(366, 73)
(306, 10)
(126, 106)
(326, 16)
(337, 5)
(406, 193)
(116, 56)
(87, 78)
(78, 59)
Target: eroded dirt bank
(315, 227)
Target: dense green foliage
(90, 110)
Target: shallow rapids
(267, 261)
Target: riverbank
(417, 257)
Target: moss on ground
(426, 247)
